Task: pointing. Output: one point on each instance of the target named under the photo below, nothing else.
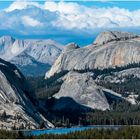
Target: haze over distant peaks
(30, 53)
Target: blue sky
(72, 21)
(131, 5)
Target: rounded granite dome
(124, 50)
(109, 36)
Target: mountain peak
(71, 46)
(6, 38)
(109, 36)
(123, 50)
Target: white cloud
(72, 16)
(62, 7)
(75, 16)
(21, 5)
(30, 21)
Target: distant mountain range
(33, 57)
(99, 77)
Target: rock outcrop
(83, 90)
(17, 102)
(109, 36)
(73, 71)
(71, 46)
(110, 49)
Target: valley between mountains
(44, 84)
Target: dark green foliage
(112, 118)
(42, 86)
(5, 134)
(120, 113)
(130, 85)
(129, 132)
(108, 71)
(71, 111)
(38, 84)
(55, 77)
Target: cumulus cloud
(60, 17)
(73, 15)
(62, 7)
(30, 21)
(21, 5)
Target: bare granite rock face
(110, 49)
(83, 90)
(17, 104)
(30, 54)
(71, 46)
(109, 36)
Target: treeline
(129, 132)
(120, 113)
(109, 70)
(130, 85)
(39, 85)
(47, 87)
(5, 134)
(112, 118)
(126, 132)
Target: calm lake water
(68, 130)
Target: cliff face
(83, 89)
(17, 102)
(110, 49)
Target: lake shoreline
(65, 130)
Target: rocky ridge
(110, 54)
(17, 101)
(37, 52)
(73, 69)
